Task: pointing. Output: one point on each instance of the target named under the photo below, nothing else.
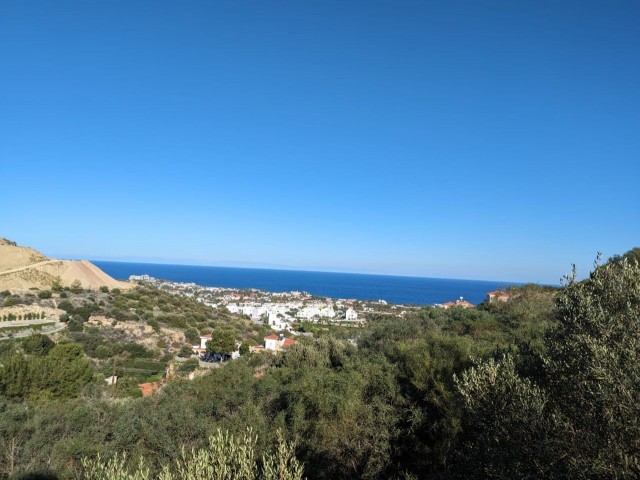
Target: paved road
(26, 324)
(33, 265)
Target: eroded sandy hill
(24, 267)
(12, 256)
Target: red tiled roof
(498, 292)
(149, 389)
(288, 342)
(465, 303)
(272, 337)
(458, 303)
(208, 335)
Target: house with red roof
(198, 349)
(461, 302)
(278, 343)
(498, 296)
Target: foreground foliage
(580, 418)
(227, 457)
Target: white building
(277, 343)
(327, 312)
(276, 322)
(233, 308)
(351, 315)
(197, 349)
(313, 311)
(140, 278)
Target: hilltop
(24, 267)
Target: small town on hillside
(280, 310)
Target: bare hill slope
(24, 267)
(12, 256)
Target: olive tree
(227, 457)
(593, 370)
(583, 419)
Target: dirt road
(27, 267)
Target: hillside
(12, 256)
(134, 333)
(504, 390)
(24, 267)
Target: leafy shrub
(74, 325)
(76, 287)
(37, 344)
(67, 306)
(192, 336)
(185, 351)
(56, 286)
(227, 457)
(189, 366)
(86, 311)
(137, 351)
(102, 352)
(154, 324)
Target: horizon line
(315, 270)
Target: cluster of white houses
(280, 316)
(279, 310)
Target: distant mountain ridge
(24, 267)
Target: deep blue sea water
(395, 289)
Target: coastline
(365, 287)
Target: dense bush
(37, 344)
(135, 350)
(582, 418)
(188, 366)
(185, 351)
(227, 457)
(60, 371)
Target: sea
(391, 288)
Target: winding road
(33, 265)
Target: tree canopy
(222, 341)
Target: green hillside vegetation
(546, 385)
(140, 333)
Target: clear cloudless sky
(468, 139)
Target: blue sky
(480, 139)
